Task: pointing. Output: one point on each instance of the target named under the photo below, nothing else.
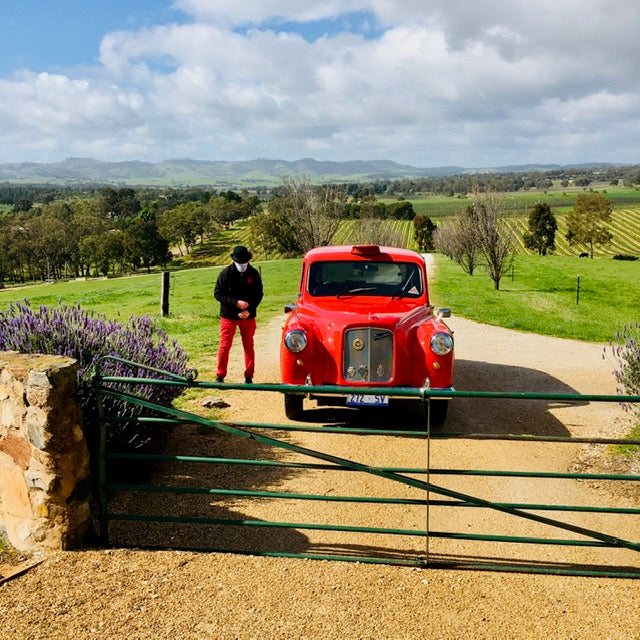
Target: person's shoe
(219, 378)
(248, 380)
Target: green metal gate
(420, 488)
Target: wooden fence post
(164, 294)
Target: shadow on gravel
(506, 415)
(195, 497)
(508, 564)
(469, 415)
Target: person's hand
(243, 315)
(241, 304)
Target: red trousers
(227, 331)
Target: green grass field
(193, 312)
(521, 202)
(539, 295)
(543, 295)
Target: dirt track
(144, 594)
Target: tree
(314, 211)
(400, 210)
(273, 232)
(87, 221)
(119, 204)
(45, 240)
(90, 252)
(47, 246)
(541, 236)
(457, 240)
(112, 251)
(588, 222)
(486, 213)
(224, 211)
(22, 205)
(144, 245)
(423, 228)
(176, 227)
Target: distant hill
(226, 174)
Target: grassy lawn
(540, 295)
(193, 312)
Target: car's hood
(361, 310)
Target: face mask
(241, 267)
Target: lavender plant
(626, 351)
(86, 337)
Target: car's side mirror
(288, 308)
(445, 312)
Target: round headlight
(295, 340)
(441, 344)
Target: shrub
(626, 350)
(86, 337)
(624, 256)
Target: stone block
(14, 493)
(44, 459)
(17, 449)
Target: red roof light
(365, 249)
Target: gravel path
(129, 594)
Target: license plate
(362, 400)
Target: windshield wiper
(361, 289)
(356, 290)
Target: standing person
(239, 292)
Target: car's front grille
(368, 355)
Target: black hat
(241, 254)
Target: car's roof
(362, 252)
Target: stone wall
(44, 459)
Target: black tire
(437, 413)
(293, 405)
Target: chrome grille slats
(367, 355)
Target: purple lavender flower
(626, 350)
(86, 337)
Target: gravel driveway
(129, 594)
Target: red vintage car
(363, 319)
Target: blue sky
(50, 35)
(476, 83)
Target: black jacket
(232, 286)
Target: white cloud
(470, 82)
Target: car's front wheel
(293, 405)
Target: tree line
(113, 232)
(119, 231)
(502, 182)
(116, 231)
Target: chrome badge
(358, 344)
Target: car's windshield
(351, 278)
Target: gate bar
(333, 498)
(413, 470)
